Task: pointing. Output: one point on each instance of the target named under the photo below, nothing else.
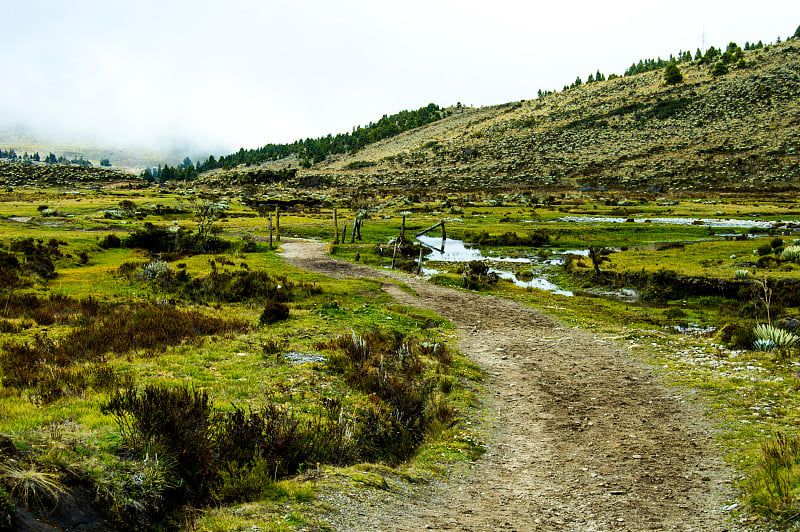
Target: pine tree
(672, 74)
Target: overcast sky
(218, 75)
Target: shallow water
(457, 251)
(704, 222)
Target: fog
(210, 77)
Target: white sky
(211, 76)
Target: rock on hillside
(738, 130)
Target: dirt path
(579, 434)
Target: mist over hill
(715, 128)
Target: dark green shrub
(672, 74)
(776, 243)
(743, 338)
(10, 270)
(764, 249)
(720, 69)
(175, 423)
(274, 311)
(277, 437)
(110, 241)
(675, 313)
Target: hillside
(738, 130)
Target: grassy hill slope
(738, 130)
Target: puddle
(537, 282)
(457, 251)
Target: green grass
(749, 395)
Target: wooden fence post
(270, 231)
(335, 227)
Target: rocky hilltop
(739, 130)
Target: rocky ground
(579, 435)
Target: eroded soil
(579, 435)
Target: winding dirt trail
(580, 436)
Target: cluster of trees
(312, 151)
(185, 171)
(649, 65)
(10, 154)
(309, 151)
(593, 78)
(50, 159)
(721, 61)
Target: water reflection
(457, 251)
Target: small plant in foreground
(775, 484)
(782, 339)
(30, 485)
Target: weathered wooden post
(358, 228)
(344, 232)
(419, 262)
(335, 227)
(403, 228)
(270, 231)
(277, 224)
(394, 252)
(431, 228)
(353, 232)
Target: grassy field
(262, 344)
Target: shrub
(672, 74)
(388, 366)
(171, 422)
(110, 241)
(476, 275)
(791, 253)
(145, 327)
(274, 311)
(277, 438)
(10, 270)
(720, 69)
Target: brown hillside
(739, 130)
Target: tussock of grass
(775, 485)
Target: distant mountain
(712, 130)
(23, 142)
